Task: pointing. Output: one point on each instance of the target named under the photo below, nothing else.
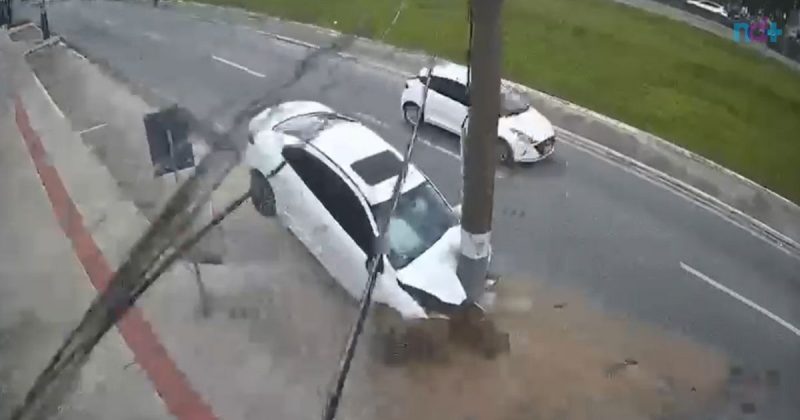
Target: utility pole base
(473, 274)
(400, 342)
(473, 328)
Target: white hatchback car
(336, 181)
(524, 135)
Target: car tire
(503, 152)
(261, 194)
(411, 113)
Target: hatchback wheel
(503, 153)
(411, 113)
(261, 195)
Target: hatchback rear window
(378, 167)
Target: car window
(334, 193)
(450, 88)
(421, 217)
(458, 92)
(438, 85)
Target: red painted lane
(169, 382)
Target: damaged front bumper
(538, 151)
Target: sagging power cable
(374, 264)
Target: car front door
(333, 222)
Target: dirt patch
(569, 360)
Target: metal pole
(204, 307)
(479, 147)
(6, 13)
(44, 24)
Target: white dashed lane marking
(238, 66)
(741, 298)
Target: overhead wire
(374, 263)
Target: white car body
(529, 135)
(357, 157)
(710, 6)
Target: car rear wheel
(411, 112)
(503, 152)
(261, 194)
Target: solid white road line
(238, 66)
(90, 129)
(75, 53)
(49, 98)
(287, 39)
(742, 299)
(695, 196)
(20, 27)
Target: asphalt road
(576, 219)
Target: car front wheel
(503, 152)
(261, 194)
(411, 113)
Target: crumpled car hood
(435, 270)
(530, 122)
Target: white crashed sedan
(523, 134)
(337, 180)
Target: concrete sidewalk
(44, 291)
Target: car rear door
(330, 217)
(447, 104)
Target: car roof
(453, 71)
(450, 71)
(350, 143)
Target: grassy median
(698, 90)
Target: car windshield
(511, 103)
(421, 217)
(307, 127)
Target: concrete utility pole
(479, 146)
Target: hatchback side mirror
(457, 211)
